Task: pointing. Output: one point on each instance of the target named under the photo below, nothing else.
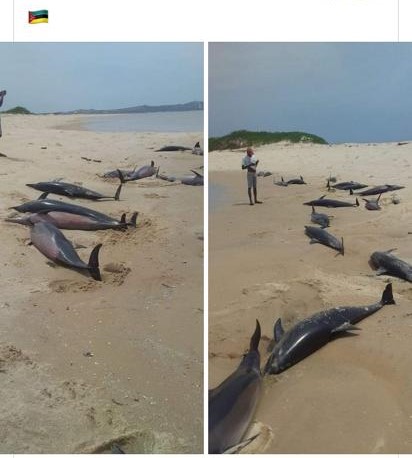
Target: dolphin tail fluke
(255, 339)
(117, 195)
(133, 219)
(94, 263)
(357, 202)
(387, 297)
(328, 184)
(123, 218)
(43, 196)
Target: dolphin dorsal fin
(322, 197)
(278, 330)
(43, 196)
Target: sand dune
(83, 363)
(355, 394)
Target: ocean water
(183, 121)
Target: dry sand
(141, 385)
(355, 394)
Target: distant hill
(190, 106)
(245, 138)
(18, 110)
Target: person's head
(249, 152)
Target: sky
(344, 92)
(47, 77)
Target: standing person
(2, 94)
(250, 163)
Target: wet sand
(85, 364)
(355, 394)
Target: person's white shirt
(249, 160)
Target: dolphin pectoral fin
(390, 251)
(236, 448)
(312, 241)
(278, 330)
(347, 326)
(382, 271)
(117, 195)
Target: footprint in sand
(119, 273)
(64, 286)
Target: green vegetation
(18, 110)
(245, 138)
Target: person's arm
(2, 94)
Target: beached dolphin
(372, 204)
(320, 235)
(144, 172)
(51, 242)
(346, 185)
(73, 190)
(173, 148)
(377, 190)
(280, 183)
(319, 218)
(233, 403)
(197, 180)
(330, 203)
(314, 332)
(116, 174)
(387, 264)
(296, 181)
(64, 220)
(47, 205)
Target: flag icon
(37, 17)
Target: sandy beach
(355, 394)
(85, 364)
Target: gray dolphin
(118, 173)
(320, 235)
(282, 182)
(144, 172)
(73, 190)
(173, 148)
(372, 204)
(377, 190)
(47, 205)
(387, 264)
(346, 185)
(197, 180)
(330, 203)
(233, 403)
(314, 332)
(51, 242)
(64, 220)
(319, 218)
(296, 181)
